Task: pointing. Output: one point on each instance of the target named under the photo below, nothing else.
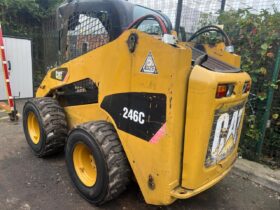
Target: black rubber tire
(113, 170)
(53, 126)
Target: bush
(23, 18)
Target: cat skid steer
(129, 100)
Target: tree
(24, 18)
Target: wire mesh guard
(81, 33)
(85, 32)
(194, 10)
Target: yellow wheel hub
(33, 128)
(84, 164)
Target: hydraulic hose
(209, 29)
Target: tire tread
(54, 124)
(117, 164)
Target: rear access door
(213, 125)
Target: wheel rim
(33, 128)
(84, 164)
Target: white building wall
(18, 52)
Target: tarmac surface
(27, 182)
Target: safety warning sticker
(149, 66)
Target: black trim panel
(78, 93)
(139, 114)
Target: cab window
(151, 27)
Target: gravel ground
(27, 182)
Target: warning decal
(149, 66)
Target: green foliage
(23, 18)
(256, 37)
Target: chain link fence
(194, 10)
(261, 133)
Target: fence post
(270, 94)
(178, 15)
(223, 5)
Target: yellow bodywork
(218, 51)
(200, 115)
(176, 162)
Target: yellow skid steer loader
(128, 99)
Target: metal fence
(192, 14)
(194, 10)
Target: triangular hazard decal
(149, 66)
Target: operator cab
(85, 25)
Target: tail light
(224, 90)
(246, 87)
